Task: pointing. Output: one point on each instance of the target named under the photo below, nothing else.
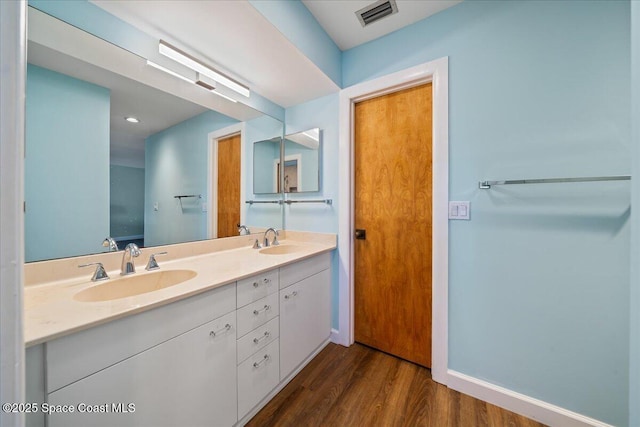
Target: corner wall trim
(335, 337)
(535, 409)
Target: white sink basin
(134, 285)
(280, 250)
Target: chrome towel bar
(251, 202)
(326, 201)
(484, 185)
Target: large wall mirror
(181, 173)
(302, 161)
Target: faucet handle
(256, 244)
(99, 274)
(275, 238)
(153, 264)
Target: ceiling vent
(376, 11)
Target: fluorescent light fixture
(189, 61)
(168, 71)
(210, 85)
(132, 119)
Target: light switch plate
(459, 210)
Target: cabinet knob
(267, 334)
(264, 281)
(265, 308)
(291, 295)
(264, 359)
(219, 331)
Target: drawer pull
(265, 308)
(291, 295)
(267, 334)
(226, 328)
(264, 281)
(264, 359)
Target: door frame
(13, 59)
(212, 178)
(436, 72)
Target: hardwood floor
(359, 386)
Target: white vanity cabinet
(172, 365)
(305, 310)
(212, 359)
(188, 380)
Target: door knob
(361, 234)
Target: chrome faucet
(243, 230)
(274, 242)
(128, 267)
(111, 244)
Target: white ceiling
(339, 20)
(234, 37)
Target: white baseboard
(530, 407)
(522, 404)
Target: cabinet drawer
(257, 376)
(257, 314)
(293, 273)
(253, 288)
(257, 339)
(81, 354)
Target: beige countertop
(50, 311)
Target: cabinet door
(189, 380)
(305, 320)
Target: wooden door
(393, 193)
(228, 186)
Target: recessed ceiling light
(132, 120)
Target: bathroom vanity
(211, 350)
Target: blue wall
(66, 166)
(321, 113)
(539, 278)
(127, 201)
(176, 163)
(634, 374)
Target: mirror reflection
(266, 166)
(302, 161)
(112, 151)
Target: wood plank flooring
(359, 386)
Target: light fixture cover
(168, 71)
(187, 60)
(132, 119)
